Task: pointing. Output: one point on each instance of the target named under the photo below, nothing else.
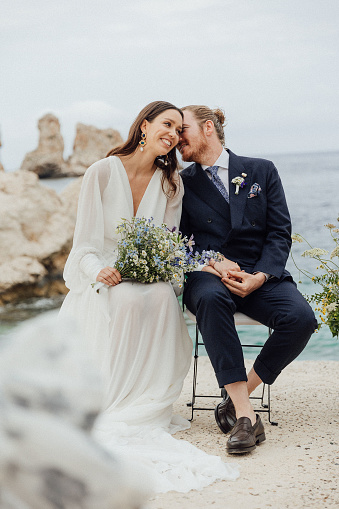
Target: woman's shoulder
(103, 167)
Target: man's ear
(209, 127)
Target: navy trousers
(277, 304)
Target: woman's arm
(86, 257)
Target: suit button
(209, 220)
(253, 223)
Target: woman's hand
(109, 276)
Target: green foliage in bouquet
(327, 300)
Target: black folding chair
(239, 319)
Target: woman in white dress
(136, 332)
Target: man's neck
(210, 155)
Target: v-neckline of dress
(130, 189)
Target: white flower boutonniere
(239, 182)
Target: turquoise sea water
(311, 183)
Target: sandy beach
(297, 466)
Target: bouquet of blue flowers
(149, 253)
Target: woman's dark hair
(149, 113)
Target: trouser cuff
(267, 376)
(230, 376)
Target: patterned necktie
(213, 170)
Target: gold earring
(142, 142)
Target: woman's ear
(143, 125)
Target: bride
(136, 332)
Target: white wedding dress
(136, 335)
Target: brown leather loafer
(244, 436)
(225, 415)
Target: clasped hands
(237, 281)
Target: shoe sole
(243, 450)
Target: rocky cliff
(36, 231)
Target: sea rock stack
(47, 160)
(90, 145)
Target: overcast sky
(272, 65)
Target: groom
(236, 205)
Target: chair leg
(195, 371)
(264, 405)
(273, 423)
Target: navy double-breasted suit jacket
(253, 231)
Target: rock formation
(47, 160)
(90, 145)
(36, 230)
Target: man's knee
(299, 319)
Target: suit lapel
(206, 190)
(237, 201)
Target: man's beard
(196, 154)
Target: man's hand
(223, 268)
(242, 283)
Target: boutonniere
(239, 182)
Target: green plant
(327, 299)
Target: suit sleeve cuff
(267, 276)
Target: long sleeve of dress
(86, 257)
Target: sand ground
(297, 466)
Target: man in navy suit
(236, 206)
